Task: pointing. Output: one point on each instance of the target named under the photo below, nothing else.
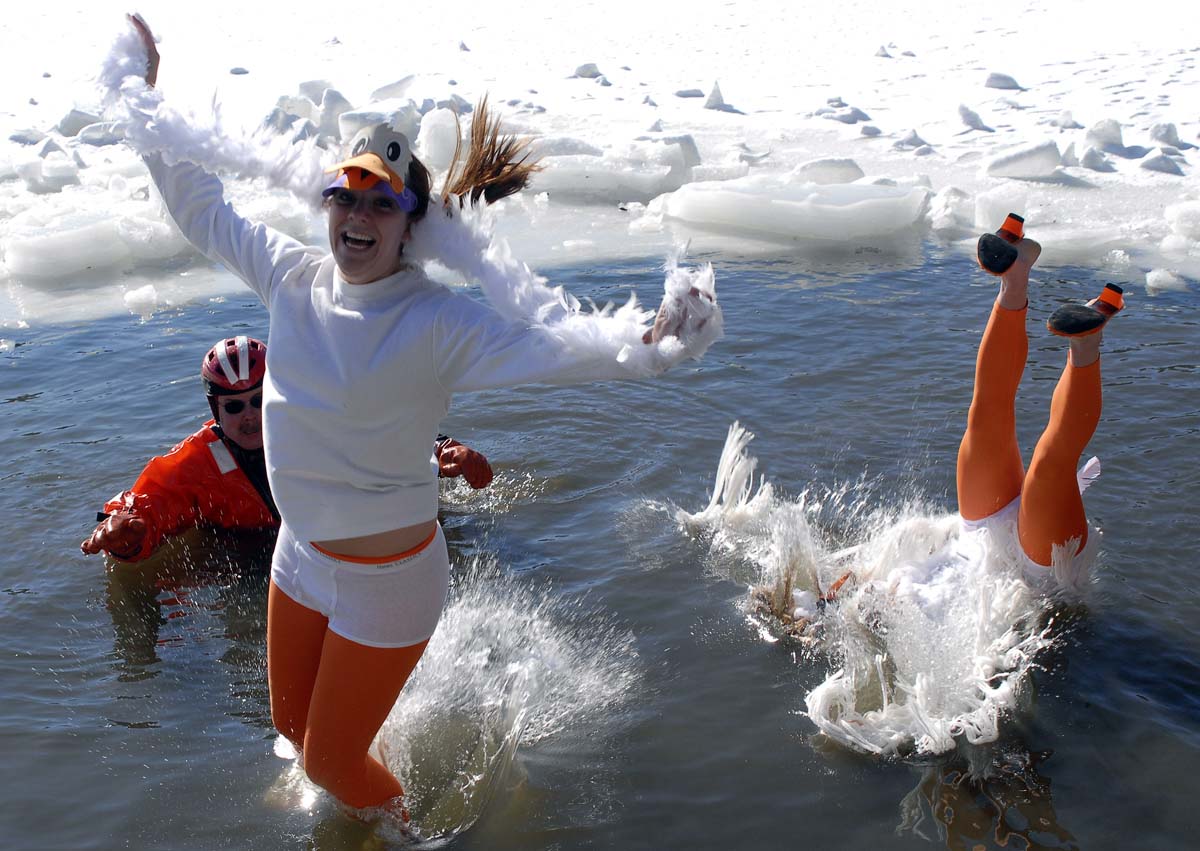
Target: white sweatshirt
(360, 375)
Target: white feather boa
(462, 241)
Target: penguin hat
(379, 159)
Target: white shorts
(394, 604)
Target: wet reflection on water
(991, 797)
(200, 587)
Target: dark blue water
(135, 706)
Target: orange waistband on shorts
(378, 559)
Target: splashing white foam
(932, 632)
(507, 666)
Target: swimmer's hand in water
(152, 58)
(454, 460)
(120, 535)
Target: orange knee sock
(989, 461)
(355, 689)
(330, 696)
(295, 635)
(1051, 506)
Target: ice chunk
(764, 205)
(1096, 161)
(848, 115)
(392, 91)
(828, 170)
(69, 248)
(333, 104)
(400, 114)
(587, 71)
(28, 136)
(458, 103)
(1065, 121)
(314, 90)
(142, 301)
(1162, 163)
(1158, 280)
(299, 106)
(715, 99)
(563, 146)
(438, 137)
(1028, 161)
(909, 140)
(992, 206)
(74, 121)
(952, 212)
(1167, 134)
(100, 134)
(1002, 81)
(689, 93)
(48, 175)
(639, 171)
(1184, 219)
(971, 118)
(1105, 135)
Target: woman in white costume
(365, 352)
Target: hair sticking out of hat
(495, 166)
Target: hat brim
(373, 164)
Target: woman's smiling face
(367, 230)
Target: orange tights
(990, 472)
(330, 696)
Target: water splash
(508, 666)
(932, 631)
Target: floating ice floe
(637, 171)
(1158, 280)
(792, 209)
(142, 301)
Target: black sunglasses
(236, 406)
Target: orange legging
(990, 472)
(330, 696)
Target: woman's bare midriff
(382, 543)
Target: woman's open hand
(672, 317)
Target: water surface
(647, 709)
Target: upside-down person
(217, 476)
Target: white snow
(804, 80)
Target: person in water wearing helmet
(366, 354)
(218, 476)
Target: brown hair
(494, 167)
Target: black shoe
(996, 252)
(1079, 320)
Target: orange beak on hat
(379, 152)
